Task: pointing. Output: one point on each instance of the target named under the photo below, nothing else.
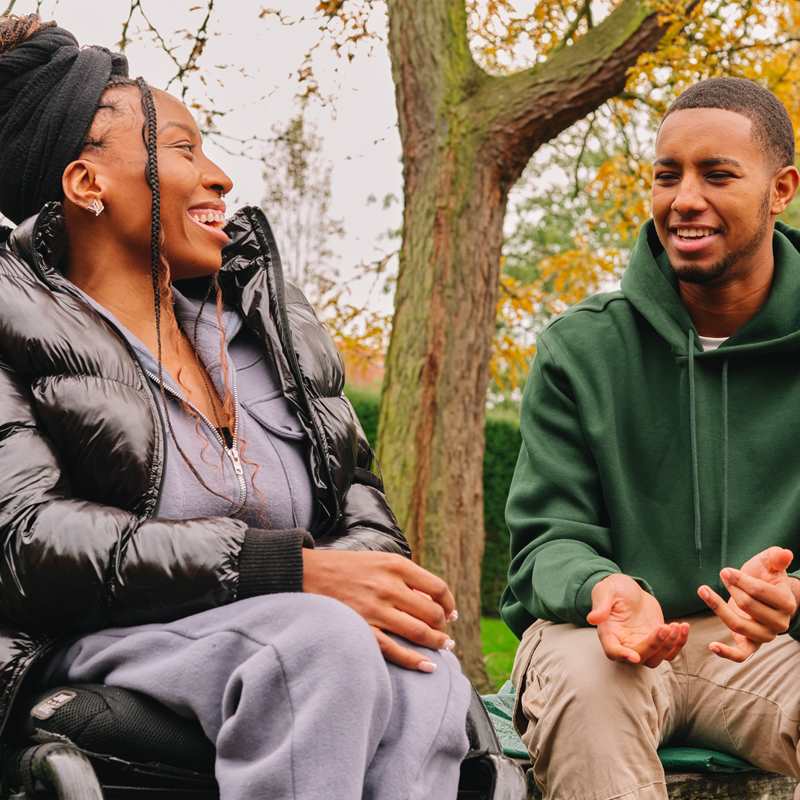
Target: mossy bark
(466, 138)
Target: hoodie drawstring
(724, 546)
(698, 523)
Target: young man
(659, 473)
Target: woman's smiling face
(191, 185)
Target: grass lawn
(499, 646)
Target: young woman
(186, 502)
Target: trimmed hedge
(499, 459)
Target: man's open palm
(630, 623)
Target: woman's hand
(392, 593)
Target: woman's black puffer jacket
(82, 444)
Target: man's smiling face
(712, 196)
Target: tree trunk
(466, 138)
(434, 393)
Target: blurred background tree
(297, 200)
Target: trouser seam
(748, 693)
(292, 758)
(180, 634)
(435, 736)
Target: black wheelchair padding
(120, 723)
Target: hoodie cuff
(272, 561)
(583, 599)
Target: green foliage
(366, 405)
(500, 457)
(499, 646)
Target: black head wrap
(49, 92)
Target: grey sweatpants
(296, 696)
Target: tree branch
(579, 160)
(524, 110)
(199, 40)
(123, 39)
(9, 8)
(584, 11)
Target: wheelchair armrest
(56, 765)
(480, 731)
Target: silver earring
(96, 207)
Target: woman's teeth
(207, 216)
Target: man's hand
(763, 601)
(392, 593)
(630, 623)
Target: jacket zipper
(227, 440)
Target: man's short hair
(771, 124)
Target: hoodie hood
(651, 287)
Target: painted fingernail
(448, 645)
(726, 574)
(426, 666)
(453, 616)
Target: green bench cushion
(675, 759)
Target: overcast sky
(258, 87)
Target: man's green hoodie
(643, 454)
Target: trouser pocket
(526, 681)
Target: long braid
(151, 141)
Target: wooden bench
(745, 786)
(710, 786)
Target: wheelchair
(90, 742)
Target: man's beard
(688, 273)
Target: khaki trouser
(592, 726)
